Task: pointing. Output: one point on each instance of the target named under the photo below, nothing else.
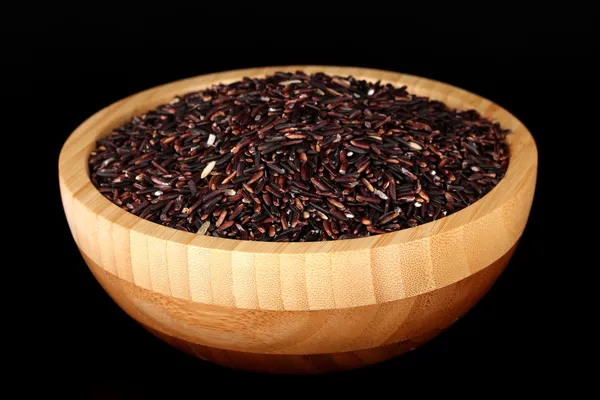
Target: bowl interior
(74, 173)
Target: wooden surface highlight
(290, 279)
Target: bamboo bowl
(297, 307)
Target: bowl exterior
(297, 307)
(299, 342)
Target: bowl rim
(77, 187)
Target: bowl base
(293, 363)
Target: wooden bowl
(297, 307)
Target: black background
(545, 75)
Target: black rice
(297, 157)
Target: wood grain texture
(308, 287)
(299, 341)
